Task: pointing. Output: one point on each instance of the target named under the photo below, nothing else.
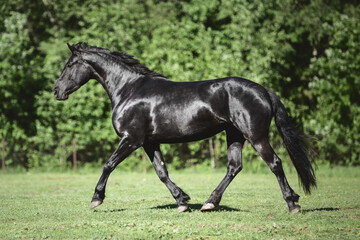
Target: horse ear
(72, 48)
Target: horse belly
(185, 125)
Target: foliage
(336, 85)
(138, 206)
(306, 51)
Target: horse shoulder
(131, 118)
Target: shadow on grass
(109, 210)
(326, 209)
(198, 206)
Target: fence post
(3, 155)
(216, 153)
(212, 157)
(74, 155)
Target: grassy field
(138, 206)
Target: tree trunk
(143, 157)
(3, 156)
(212, 156)
(74, 155)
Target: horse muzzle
(60, 96)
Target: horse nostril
(56, 91)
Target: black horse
(149, 109)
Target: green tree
(20, 81)
(306, 51)
(336, 88)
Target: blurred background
(308, 52)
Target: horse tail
(297, 144)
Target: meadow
(138, 206)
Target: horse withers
(149, 109)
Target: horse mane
(123, 58)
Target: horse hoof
(94, 204)
(183, 208)
(207, 207)
(295, 210)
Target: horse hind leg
(274, 162)
(235, 142)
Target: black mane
(124, 58)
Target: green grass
(138, 206)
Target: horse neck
(113, 77)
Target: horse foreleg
(123, 150)
(235, 143)
(156, 158)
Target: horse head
(75, 73)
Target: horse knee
(108, 168)
(238, 168)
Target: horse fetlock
(292, 198)
(182, 199)
(295, 197)
(98, 196)
(185, 197)
(214, 198)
